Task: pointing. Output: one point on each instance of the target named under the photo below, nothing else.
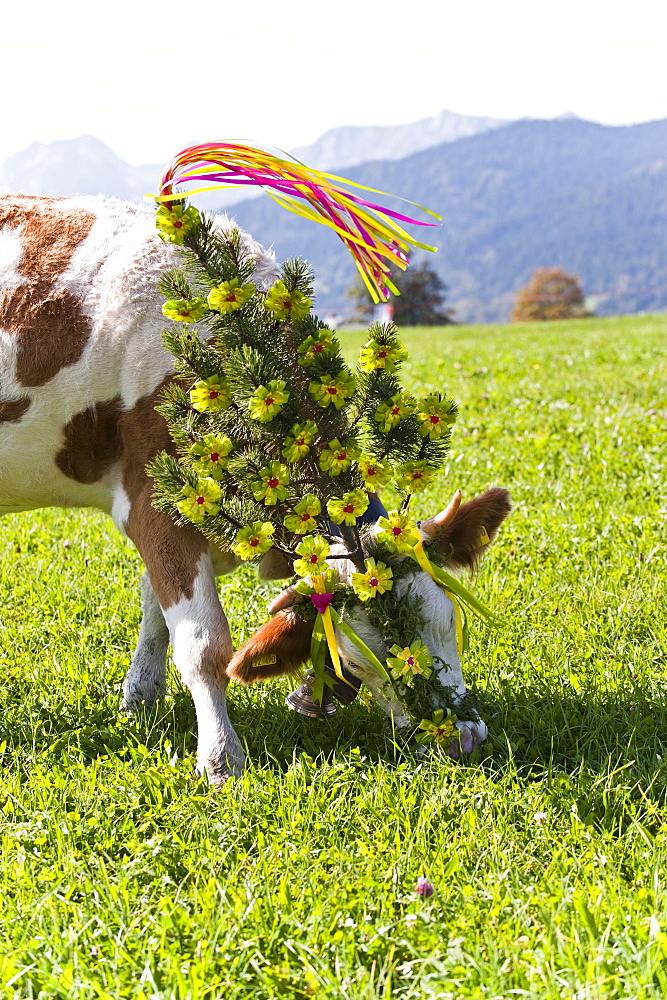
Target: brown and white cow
(82, 366)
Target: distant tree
(423, 293)
(551, 293)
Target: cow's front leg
(182, 577)
(145, 681)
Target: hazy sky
(149, 78)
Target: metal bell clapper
(302, 700)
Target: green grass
(123, 876)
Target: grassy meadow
(124, 876)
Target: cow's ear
(464, 537)
(281, 646)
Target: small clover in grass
(390, 413)
(407, 663)
(332, 389)
(229, 296)
(377, 579)
(272, 484)
(375, 473)
(303, 519)
(198, 502)
(209, 456)
(210, 395)
(385, 356)
(337, 457)
(398, 532)
(439, 729)
(346, 509)
(268, 400)
(313, 551)
(254, 540)
(299, 440)
(175, 223)
(185, 310)
(285, 304)
(414, 476)
(436, 416)
(424, 887)
(322, 345)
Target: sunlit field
(124, 876)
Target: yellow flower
(377, 579)
(268, 400)
(346, 509)
(440, 728)
(386, 356)
(174, 223)
(209, 455)
(304, 517)
(299, 440)
(397, 532)
(320, 346)
(436, 416)
(210, 395)
(272, 484)
(229, 295)
(285, 304)
(197, 503)
(407, 663)
(374, 472)
(313, 551)
(253, 541)
(337, 457)
(414, 476)
(391, 412)
(332, 389)
(185, 310)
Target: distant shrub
(551, 293)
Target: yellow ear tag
(483, 537)
(264, 661)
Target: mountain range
(513, 197)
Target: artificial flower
(337, 457)
(209, 455)
(197, 502)
(176, 222)
(320, 346)
(229, 295)
(397, 532)
(299, 440)
(313, 551)
(210, 395)
(438, 729)
(346, 509)
(268, 400)
(332, 389)
(406, 664)
(303, 518)
(185, 310)
(377, 579)
(414, 476)
(436, 416)
(272, 484)
(385, 356)
(374, 472)
(254, 540)
(390, 413)
(285, 304)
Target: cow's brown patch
(468, 535)
(92, 442)
(50, 328)
(281, 646)
(11, 410)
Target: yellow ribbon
(319, 588)
(423, 560)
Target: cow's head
(461, 534)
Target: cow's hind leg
(146, 678)
(183, 580)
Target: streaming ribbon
(370, 232)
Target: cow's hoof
(471, 735)
(218, 771)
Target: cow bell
(303, 702)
